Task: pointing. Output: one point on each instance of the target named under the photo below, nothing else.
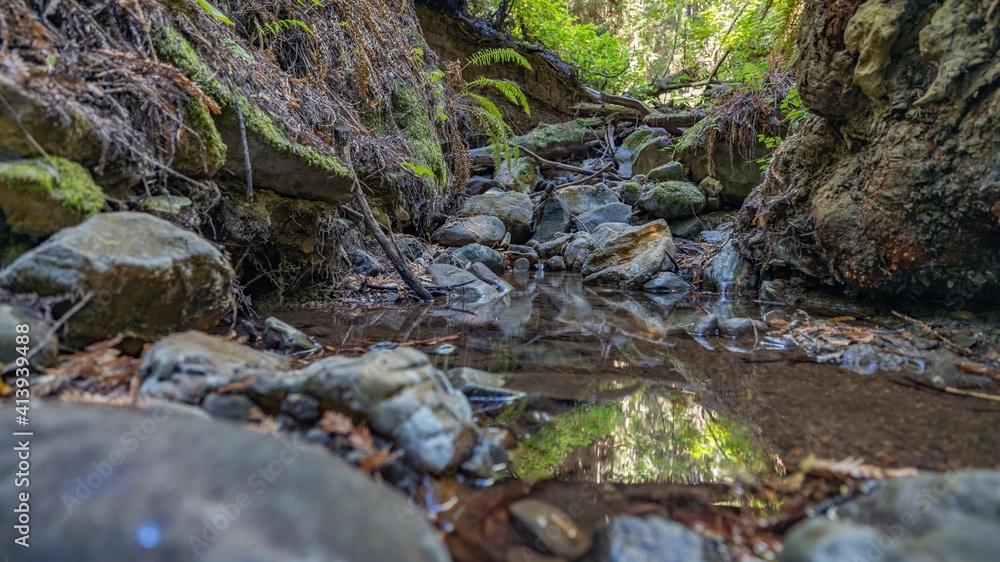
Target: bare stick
(243, 139)
(390, 250)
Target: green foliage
(214, 12)
(509, 90)
(418, 170)
(487, 57)
(276, 27)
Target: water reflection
(618, 372)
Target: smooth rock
(147, 276)
(42, 196)
(582, 198)
(652, 154)
(286, 337)
(738, 327)
(612, 212)
(411, 248)
(707, 325)
(484, 230)
(729, 272)
(554, 247)
(515, 251)
(232, 407)
(629, 191)
(522, 264)
(671, 200)
(10, 318)
(513, 208)
(462, 285)
(672, 171)
(553, 219)
(477, 253)
(648, 539)
(480, 184)
(688, 228)
(822, 540)
(365, 265)
(667, 282)
(185, 366)
(486, 274)
(555, 263)
(189, 489)
(403, 397)
(630, 258)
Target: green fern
(486, 57)
(276, 27)
(505, 87)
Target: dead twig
(933, 333)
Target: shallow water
(619, 391)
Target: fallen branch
(545, 163)
(927, 329)
(624, 101)
(390, 249)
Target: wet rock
(554, 247)
(462, 285)
(486, 274)
(286, 337)
(671, 200)
(42, 196)
(147, 276)
(648, 539)
(579, 199)
(555, 263)
(302, 407)
(522, 264)
(403, 397)
(484, 230)
(232, 407)
(667, 282)
(479, 386)
(673, 171)
(553, 219)
(739, 327)
(931, 516)
(514, 252)
(10, 318)
(365, 265)
(729, 272)
(612, 212)
(514, 209)
(685, 228)
(477, 253)
(521, 174)
(630, 258)
(705, 326)
(577, 251)
(185, 366)
(553, 527)
(489, 456)
(98, 496)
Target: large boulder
(671, 200)
(894, 187)
(483, 229)
(41, 196)
(553, 218)
(630, 258)
(652, 154)
(144, 276)
(156, 485)
(612, 212)
(477, 253)
(735, 167)
(512, 207)
(579, 199)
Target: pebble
(445, 349)
(553, 527)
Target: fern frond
(509, 90)
(499, 133)
(486, 104)
(487, 57)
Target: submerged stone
(553, 526)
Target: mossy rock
(200, 151)
(42, 196)
(411, 116)
(520, 174)
(641, 136)
(577, 130)
(672, 200)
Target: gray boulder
(612, 212)
(462, 285)
(582, 198)
(652, 154)
(486, 274)
(119, 484)
(672, 171)
(10, 318)
(483, 229)
(187, 366)
(630, 258)
(667, 282)
(649, 539)
(553, 219)
(147, 277)
(365, 265)
(477, 253)
(404, 397)
(513, 208)
(286, 337)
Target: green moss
(42, 196)
(174, 48)
(204, 154)
(637, 139)
(547, 135)
(410, 113)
